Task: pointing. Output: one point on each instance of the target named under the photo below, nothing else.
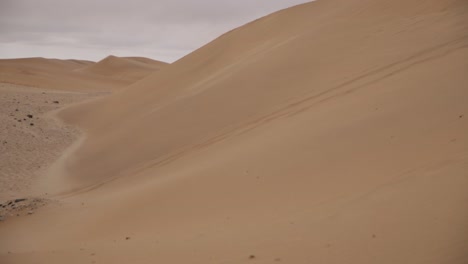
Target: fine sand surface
(330, 132)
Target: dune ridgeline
(330, 132)
(109, 74)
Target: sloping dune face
(302, 56)
(76, 75)
(330, 132)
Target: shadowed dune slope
(330, 132)
(68, 74)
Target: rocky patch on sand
(20, 207)
(30, 139)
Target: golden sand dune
(330, 132)
(75, 75)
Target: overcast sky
(92, 29)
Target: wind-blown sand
(330, 132)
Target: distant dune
(128, 69)
(331, 132)
(76, 75)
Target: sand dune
(330, 132)
(129, 69)
(75, 75)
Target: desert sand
(109, 74)
(330, 132)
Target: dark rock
(20, 200)
(251, 256)
(30, 116)
(32, 124)
(56, 102)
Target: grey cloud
(89, 29)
